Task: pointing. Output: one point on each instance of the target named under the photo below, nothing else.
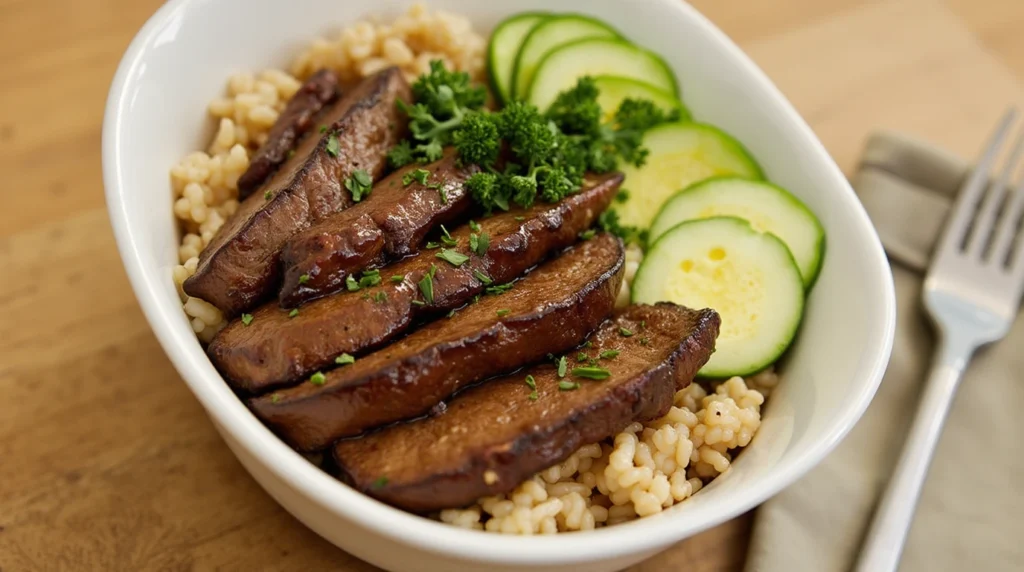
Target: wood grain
(108, 463)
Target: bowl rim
(231, 415)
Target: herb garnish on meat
(483, 278)
(591, 372)
(427, 285)
(479, 243)
(419, 175)
(452, 257)
(359, 184)
(443, 101)
(549, 151)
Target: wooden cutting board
(106, 460)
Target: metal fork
(972, 292)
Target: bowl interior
(156, 114)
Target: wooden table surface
(106, 460)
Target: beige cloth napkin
(971, 513)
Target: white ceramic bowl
(156, 113)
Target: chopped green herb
(482, 277)
(530, 382)
(380, 482)
(365, 296)
(625, 333)
(451, 313)
(369, 279)
(397, 278)
(622, 196)
(246, 319)
(444, 195)
(318, 378)
(581, 357)
(267, 195)
(344, 359)
(500, 288)
(332, 145)
(380, 296)
(419, 303)
(479, 243)
(566, 385)
(644, 341)
(503, 313)
(587, 234)
(374, 272)
(275, 398)
(446, 238)
(591, 372)
(431, 245)
(351, 283)
(534, 396)
(400, 155)
(291, 153)
(609, 354)
(520, 218)
(588, 344)
(293, 313)
(304, 278)
(591, 361)
(476, 298)
(452, 257)
(562, 366)
(419, 175)
(643, 324)
(473, 226)
(359, 184)
(323, 129)
(427, 286)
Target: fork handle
(884, 542)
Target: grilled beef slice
(295, 121)
(395, 223)
(493, 436)
(276, 348)
(240, 267)
(552, 309)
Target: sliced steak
(276, 349)
(552, 309)
(240, 267)
(395, 223)
(493, 436)
(298, 116)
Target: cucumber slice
(562, 66)
(614, 89)
(548, 35)
(503, 49)
(680, 154)
(748, 277)
(767, 207)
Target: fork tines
(985, 223)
